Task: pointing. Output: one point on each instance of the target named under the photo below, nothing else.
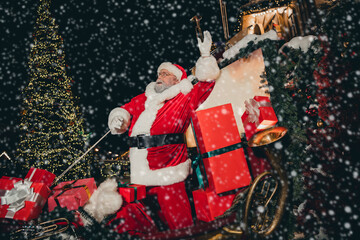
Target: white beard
(159, 88)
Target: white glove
(104, 201)
(207, 68)
(205, 46)
(116, 124)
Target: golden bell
(320, 123)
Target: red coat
(161, 113)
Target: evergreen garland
(332, 181)
(291, 108)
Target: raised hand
(205, 46)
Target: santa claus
(157, 121)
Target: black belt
(143, 141)
(194, 81)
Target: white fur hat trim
(171, 68)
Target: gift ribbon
(253, 110)
(32, 174)
(195, 165)
(196, 161)
(126, 185)
(223, 150)
(17, 196)
(69, 186)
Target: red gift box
(175, 208)
(132, 192)
(15, 179)
(40, 176)
(133, 219)
(22, 200)
(209, 205)
(259, 115)
(216, 129)
(72, 194)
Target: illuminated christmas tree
(51, 124)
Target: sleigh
(257, 208)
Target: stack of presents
(221, 167)
(24, 199)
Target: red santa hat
(175, 69)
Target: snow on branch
(230, 53)
(302, 43)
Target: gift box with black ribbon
(221, 165)
(72, 194)
(132, 192)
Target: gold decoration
(267, 186)
(320, 123)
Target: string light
(53, 134)
(260, 8)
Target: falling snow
(112, 51)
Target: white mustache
(159, 82)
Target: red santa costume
(167, 112)
(165, 167)
(153, 113)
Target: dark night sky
(113, 49)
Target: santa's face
(165, 80)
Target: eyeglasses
(164, 74)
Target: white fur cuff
(122, 114)
(207, 69)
